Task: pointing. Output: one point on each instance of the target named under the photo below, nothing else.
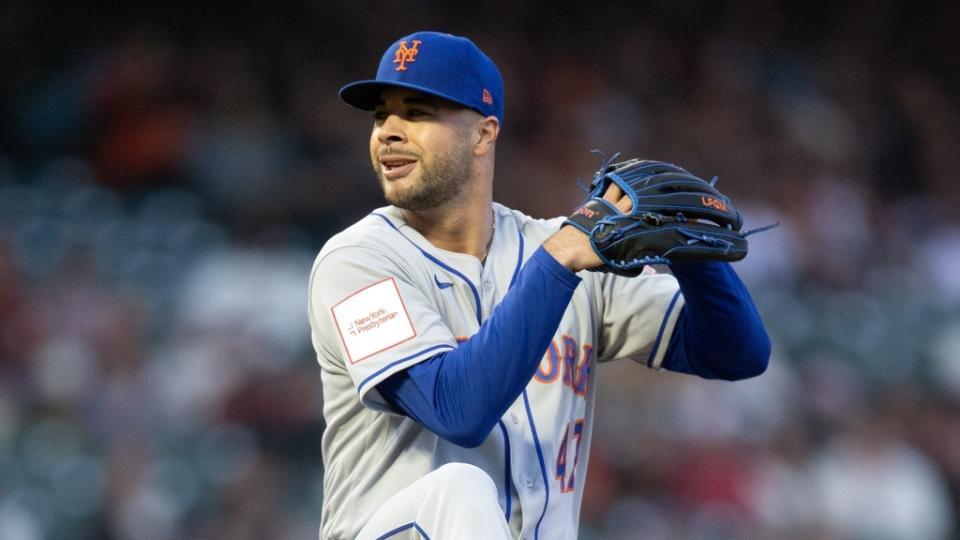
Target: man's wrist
(571, 248)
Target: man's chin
(398, 197)
(398, 188)
(416, 194)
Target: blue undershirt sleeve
(461, 394)
(719, 334)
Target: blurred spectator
(870, 484)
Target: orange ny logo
(405, 54)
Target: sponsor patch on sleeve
(372, 320)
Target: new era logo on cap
(442, 65)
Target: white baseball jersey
(383, 298)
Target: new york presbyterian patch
(372, 320)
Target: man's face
(421, 148)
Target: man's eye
(379, 116)
(417, 113)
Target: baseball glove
(674, 216)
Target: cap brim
(365, 95)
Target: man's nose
(392, 130)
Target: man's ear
(488, 129)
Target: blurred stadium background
(168, 172)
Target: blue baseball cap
(442, 65)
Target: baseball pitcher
(460, 341)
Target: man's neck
(462, 228)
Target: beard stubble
(439, 183)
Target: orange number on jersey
(568, 484)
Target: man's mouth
(397, 166)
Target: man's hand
(571, 247)
(673, 216)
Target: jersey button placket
(488, 295)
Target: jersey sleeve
(639, 315)
(368, 314)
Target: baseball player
(459, 340)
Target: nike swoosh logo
(442, 284)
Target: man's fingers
(613, 193)
(615, 196)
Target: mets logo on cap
(406, 54)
